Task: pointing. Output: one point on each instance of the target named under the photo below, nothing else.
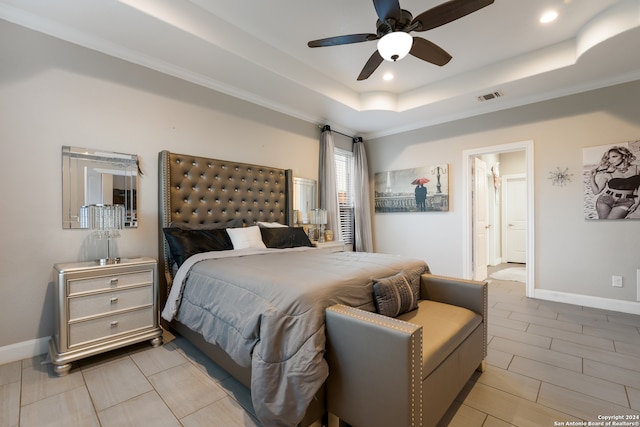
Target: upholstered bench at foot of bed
(406, 371)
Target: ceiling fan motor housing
(384, 28)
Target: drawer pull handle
(114, 281)
(114, 300)
(114, 324)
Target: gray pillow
(394, 295)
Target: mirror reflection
(304, 199)
(92, 177)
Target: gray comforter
(266, 310)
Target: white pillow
(248, 237)
(270, 224)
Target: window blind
(344, 186)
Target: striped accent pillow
(394, 295)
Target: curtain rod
(353, 138)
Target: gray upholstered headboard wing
(198, 190)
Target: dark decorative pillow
(184, 243)
(232, 223)
(394, 295)
(413, 277)
(285, 237)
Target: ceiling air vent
(490, 96)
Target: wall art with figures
(611, 179)
(422, 189)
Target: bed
(257, 310)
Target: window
(344, 187)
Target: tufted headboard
(198, 190)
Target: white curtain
(327, 193)
(362, 205)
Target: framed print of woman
(612, 181)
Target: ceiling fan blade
(388, 9)
(447, 12)
(339, 40)
(430, 52)
(372, 64)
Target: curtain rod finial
(357, 139)
(326, 128)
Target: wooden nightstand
(103, 307)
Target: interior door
(515, 205)
(480, 219)
(494, 242)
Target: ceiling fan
(393, 28)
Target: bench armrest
(470, 294)
(375, 365)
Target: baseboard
(630, 307)
(23, 350)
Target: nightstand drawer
(109, 282)
(108, 326)
(331, 246)
(106, 302)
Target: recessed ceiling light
(548, 16)
(387, 76)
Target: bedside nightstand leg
(156, 342)
(62, 370)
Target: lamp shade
(102, 218)
(105, 221)
(395, 45)
(318, 216)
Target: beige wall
(572, 256)
(52, 94)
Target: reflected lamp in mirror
(92, 177)
(304, 199)
(105, 221)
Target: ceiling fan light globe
(395, 45)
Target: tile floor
(548, 364)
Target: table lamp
(105, 221)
